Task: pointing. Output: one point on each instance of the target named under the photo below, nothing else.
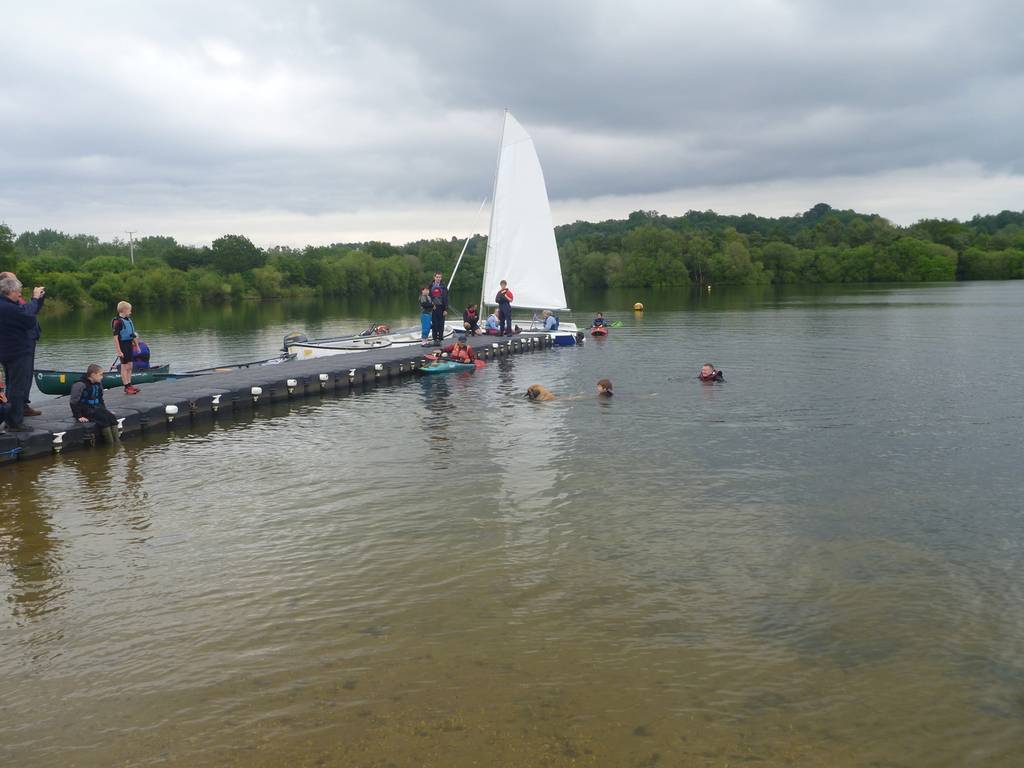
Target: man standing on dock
(18, 334)
(439, 308)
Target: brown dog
(537, 392)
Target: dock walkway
(174, 404)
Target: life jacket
(503, 297)
(425, 303)
(599, 322)
(715, 375)
(461, 355)
(127, 332)
(140, 356)
(438, 297)
(92, 395)
(552, 327)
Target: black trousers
(506, 318)
(437, 323)
(100, 416)
(19, 382)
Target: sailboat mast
(490, 225)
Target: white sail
(521, 244)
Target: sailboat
(521, 245)
(521, 249)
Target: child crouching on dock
(87, 400)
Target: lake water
(817, 563)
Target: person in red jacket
(460, 351)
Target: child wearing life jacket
(504, 301)
(125, 341)
(550, 320)
(471, 320)
(87, 399)
(599, 321)
(709, 373)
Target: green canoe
(59, 382)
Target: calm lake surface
(817, 563)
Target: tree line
(648, 249)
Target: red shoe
(131, 390)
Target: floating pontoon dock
(175, 404)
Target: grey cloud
(339, 106)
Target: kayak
(599, 331)
(59, 382)
(447, 366)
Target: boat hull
(448, 366)
(308, 349)
(60, 382)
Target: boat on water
(377, 336)
(449, 366)
(60, 382)
(521, 244)
(521, 249)
(599, 330)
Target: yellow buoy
(638, 307)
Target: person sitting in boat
(550, 320)
(460, 351)
(471, 320)
(599, 321)
(709, 373)
(604, 388)
(493, 323)
(87, 399)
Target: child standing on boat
(126, 340)
(504, 302)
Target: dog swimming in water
(537, 392)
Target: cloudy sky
(317, 122)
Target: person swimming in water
(709, 373)
(604, 388)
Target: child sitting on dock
(709, 373)
(493, 324)
(87, 399)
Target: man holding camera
(19, 330)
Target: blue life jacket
(93, 394)
(127, 332)
(551, 323)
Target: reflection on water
(816, 563)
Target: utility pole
(131, 244)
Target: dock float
(173, 404)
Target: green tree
(234, 254)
